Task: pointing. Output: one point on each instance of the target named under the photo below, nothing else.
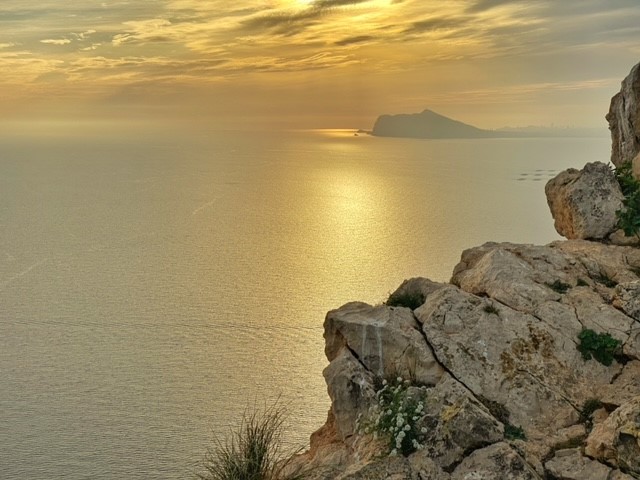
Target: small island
(429, 124)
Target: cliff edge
(525, 366)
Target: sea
(157, 284)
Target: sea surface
(154, 285)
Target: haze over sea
(153, 285)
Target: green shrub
(582, 283)
(629, 215)
(511, 432)
(396, 418)
(601, 346)
(253, 451)
(410, 300)
(559, 287)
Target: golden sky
(317, 63)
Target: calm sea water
(154, 285)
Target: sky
(316, 63)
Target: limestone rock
(618, 475)
(392, 468)
(498, 345)
(627, 298)
(350, 388)
(417, 287)
(425, 467)
(511, 358)
(584, 202)
(571, 465)
(456, 423)
(573, 435)
(496, 462)
(624, 119)
(616, 441)
(387, 340)
(618, 237)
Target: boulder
(387, 340)
(569, 464)
(456, 423)
(393, 468)
(584, 202)
(496, 462)
(624, 119)
(350, 388)
(627, 298)
(616, 441)
(511, 358)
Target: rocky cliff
(525, 366)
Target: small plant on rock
(491, 310)
(606, 280)
(559, 287)
(629, 215)
(396, 418)
(511, 432)
(601, 346)
(501, 413)
(410, 300)
(586, 412)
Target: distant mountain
(429, 124)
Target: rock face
(496, 350)
(584, 202)
(624, 119)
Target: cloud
(51, 41)
(435, 23)
(152, 30)
(354, 40)
(283, 23)
(484, 5)
(336, 3)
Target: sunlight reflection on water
(151, 287)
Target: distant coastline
(431, 125)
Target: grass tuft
(253, 451)
(491, 310)
(410, 300)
